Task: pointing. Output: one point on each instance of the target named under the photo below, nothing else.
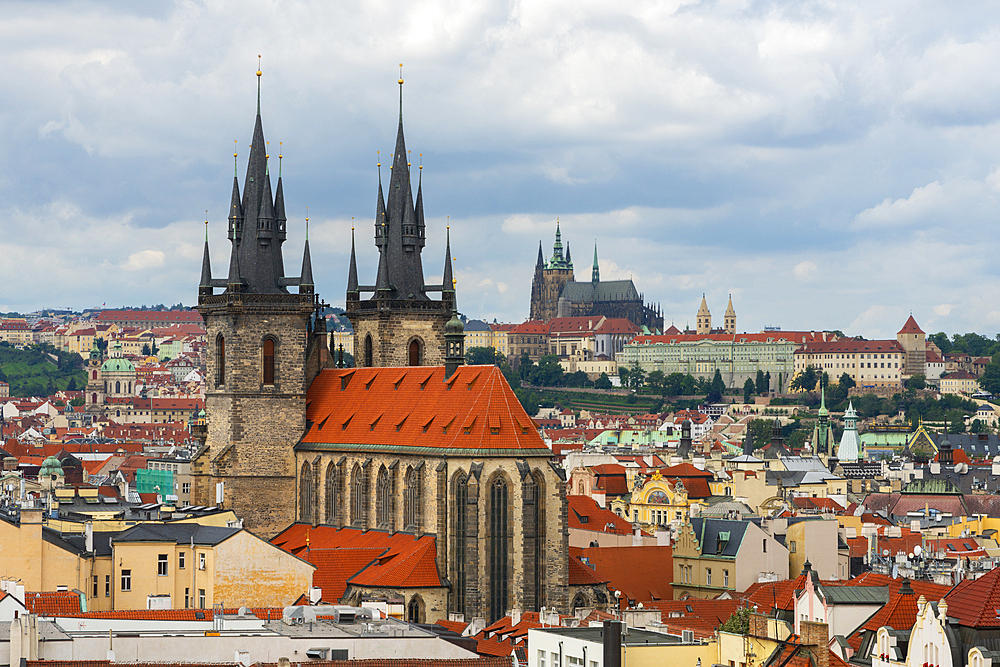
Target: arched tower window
(94, 375)
(118, 387)
(368, 351)
(306, 494)
(268, 353)
(414, 353)
(332, 494)
(383, 499)
(220, 360)
(93, 398)
(497, 549)
(411, 500)
(461, 497)
(414, 610)
(358, 493)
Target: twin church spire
(257, 230)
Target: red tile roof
(52, 603)
(641, 573)
(149, 316)
(266, 613)
(581, 574)
(975, 603)
(531, 327)
(910, 327)
(368, 558)
(586, 514)
(413, 408)
(848, 345)
(457, 627)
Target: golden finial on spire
(258, 65)
(352, 223)
(401, 74)
(266, 156)
(408, 163)
(378, 158)
(206, 225)
(421, 161)
(236, 167)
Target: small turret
(306, 285)
(595, 274)
(454, 340)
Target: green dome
(454, 325)
(50, 466)
(117, 365)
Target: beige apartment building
(870, 363)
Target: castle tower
(914, 342)
(730, 318)
(400, 325)
(704, 318)
(94, 394)
(547, 285)
(262, 354)
(537, 286)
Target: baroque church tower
(400, 324)
(263, 352)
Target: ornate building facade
(400, 324)
(555, 292)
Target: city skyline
(831, 167)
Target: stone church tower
(547, 285)
(730, 318)
(704, 318)
(400, 325)
(262, 354)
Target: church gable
(416, 411)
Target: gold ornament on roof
(401, 74)
(258, 65)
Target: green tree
(718, 385)
(805, 381)
(603, 382)
(548, 373)
(738, 622)
(145, 349)
(77, 402)
(990, 380)
(918, 381)
(72, 385)
(529, 401)
(748, 389)
(760, 432)
(942, 341)
(656, 380)
(623, 376)
(480, 356)
(977, 427)
(760, 383)
(636, 376)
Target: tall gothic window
(383, 499)
(461, 523)
(357, 496)
(306, 494)
(413, 610)
(268, 361)
(498, 549)
(368, 351)
(534, 533)
(411, 500)
(332, 494)
(220, 360)
(414, 353)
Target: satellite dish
(885, 552)
(917, 550)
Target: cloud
(805, 270)
(145, 259)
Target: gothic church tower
(400, 325)
(704, 318)
(262, 354)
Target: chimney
(816, 637)
(88, 533)
(612, 644)
(515, 616)
(315, 595)
(758, 625)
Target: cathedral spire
(306, 285)
(595, 275)
(352, 272)
(540, 262)
(205, 286)
(447, 279)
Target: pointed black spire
(352, 272)
(569, 256)
(540, 262)
(205, 286)
(235, 212)
(447, 280)
(306, 285)
(595, 274)
(265, 219)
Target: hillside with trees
(40, 370)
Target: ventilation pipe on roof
(612, 644)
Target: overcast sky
(832, 165)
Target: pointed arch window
(268, 354)
(220, 360)
(306, 494)
(368, 351)
(498, 549)
(461, 496)
(383, 499)
(411, 500)
(414, 353)
(358, 493)
(332, 494)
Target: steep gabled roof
(911, 327)
(416, 410)
(975, 602)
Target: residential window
(161, 565)
(180, 560)
(201, 561)
(126, 580)
(541, 658)
(186, 487)
(791, 546)
(765, 545)
(708, 576)
(107, 585)
(725, 578)
(187, 598)
(201, 598)
(96, 580)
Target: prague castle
(413, 444)
(555, 293)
